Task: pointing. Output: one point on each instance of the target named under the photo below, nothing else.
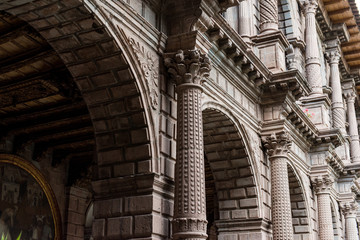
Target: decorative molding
(188, 66)
(149, 67)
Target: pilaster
(322, 185)
(189, 68)
(278, 146)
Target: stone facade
(206, 119)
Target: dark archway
(299, 211)
(233, 175)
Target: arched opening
(236, 195)
(85, 120)
(299, 212)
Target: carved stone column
(244, 21)
(322, 186)
(269, 16)
(277, 149)
(353, 127)
(337, 105)
(349, 210)
(189, 68)
(313, 67)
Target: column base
(189, 228)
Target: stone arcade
(193, 119)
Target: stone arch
(299, 207)
(233, 173)
(103, 76)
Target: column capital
(349, 209)
(188, 66)
(310, 6)
(333, 56)
(278, 145)
(322, 184)
(350, 97)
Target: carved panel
(149, 67)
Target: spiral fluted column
(349, 210)
(277, 149)
(337, 105)
(322, 186)
(189, 68)
(353, 127)
(269, 16)
(313, 67)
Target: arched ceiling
(40, 107)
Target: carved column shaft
(188, 69)
(351, 231)
(326, 231)
(353, 128)
(337, 105)
(313, 67)
(269, 16)
(280, 196)
(322, 189)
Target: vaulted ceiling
(41, 109)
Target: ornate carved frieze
(277, 144)
(149, 67)
(322, 184)
(188, 66)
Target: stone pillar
(313, 67)
(244, 21)
(353, 127)
(337, 105)
(189, 68)
(349, 210)
(269, 21)
(322, 186)
(277, 149)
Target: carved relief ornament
(188, 66)
(149, 67)
(277, 144)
